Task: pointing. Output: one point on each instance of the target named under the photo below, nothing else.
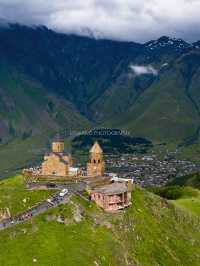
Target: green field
(189, 198)
(153, 231)
(189, 201)
(13, 195)
(185, 197)
(191, 204)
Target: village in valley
(149, 170)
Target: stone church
(109, 193)
(57, 162)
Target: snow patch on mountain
(165, 65)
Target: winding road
(43, 206)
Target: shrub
(171, 193)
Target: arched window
(94, 161)
(98, 161)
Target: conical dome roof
(96, 148)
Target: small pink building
(112, 197)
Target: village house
(111, 197)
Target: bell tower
(58, 145)
(96, 165)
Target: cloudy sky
(134, 20)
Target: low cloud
(134, 20)
(142, 70)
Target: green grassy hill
(192, 180)
(191, 201)
(13, 195)
(185, 197)
(152, 231)
(190, 204)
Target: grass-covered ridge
(186, 198)
(191, 205)
(151, 232)
(192, 180)
(13, 195)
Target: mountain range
(51, 81)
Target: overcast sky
(134, 20)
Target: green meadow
(13, 195)
(190, 201)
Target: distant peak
(167, 42)
(196, 44)
(163, 39)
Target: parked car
(50, 201)
(51, 185)
(63, 192)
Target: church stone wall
(95, 169)
(54, 166)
